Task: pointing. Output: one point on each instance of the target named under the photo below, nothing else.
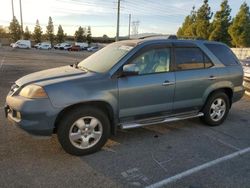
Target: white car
(45, 47)
(37, 45)
(22, 44)
(57, 46)
(67, 47)
(93, 49)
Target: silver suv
(125, 85)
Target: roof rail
(173, 37)
(159, 36)
(190, 38)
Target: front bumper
(35, 116)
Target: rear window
(223, 53)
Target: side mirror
(130, 70)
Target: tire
(85, 138)
(214, 113)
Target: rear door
(194, 74)
(151, 92)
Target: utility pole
(135, 27)
(118, 20)
(129, 24)
(13, 15)
(21, 16)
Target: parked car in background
(45, 46)
(75, 48)
(37, 45)
(125, 85)
(67, 47)
(25, 44)
(64, 46)
(246, 68)
(83, 45)
(93, 49)
(57, 46)
(12, 45)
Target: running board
(166, 120)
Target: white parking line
(198, 168)
(1, 64)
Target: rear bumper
(238, 93)
(36, 117)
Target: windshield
(103, 60)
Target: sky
(154, 16)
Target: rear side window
(190, 58)
(223, 53)
(208, 62)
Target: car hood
(53, 75)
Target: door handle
(167, 83)
(212, 78)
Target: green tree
(37, 34)
(240, 28)
(60, 34)
(89, 35)
(15, 29)
(3, 32)
(50, 31)
(80, 35)
(26, 34)
(204, 15)
(221, 23)
(188, 27)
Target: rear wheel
(216, 109)
(83, 131)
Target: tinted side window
(189, 58)
(153, 61)
(223, 53)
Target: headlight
(33, 92)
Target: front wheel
(216, 109)
(83, 131)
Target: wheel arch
(104, 106)
(227, 90)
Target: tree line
(15, 33)
(203, 24)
